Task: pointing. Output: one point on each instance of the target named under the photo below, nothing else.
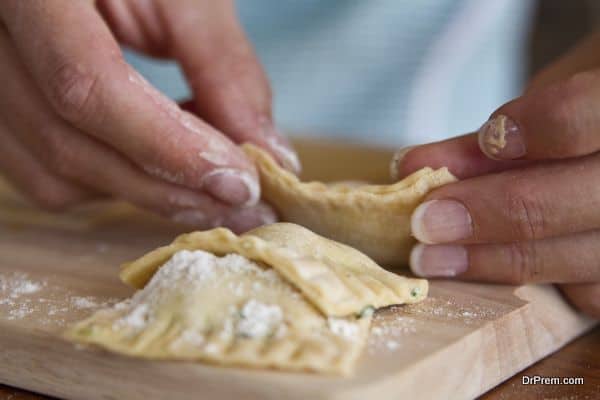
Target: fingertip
(441, 221)
(286, 156)
(280, 147)
(443, 261)
(500, 138)
(244, 219)
(233, 186)
(396, 163)
(417, 225)
(415, 257)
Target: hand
(77, 122)
(527, 208)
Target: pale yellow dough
(336, 278)
(323, 289)
(374, 219)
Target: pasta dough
(278, 296)
(338, 279)
(371, 218)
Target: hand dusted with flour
(77, 122)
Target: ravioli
(374, 219)
(278, 297)
(336, 278)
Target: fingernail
(440, 221)
(439, 260)
(232, 186)
(396, 160)
(244, 219)
(282, 148)
(289, 159)
(500, 138)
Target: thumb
(461, 155)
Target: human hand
(527, 207)
(77, 122)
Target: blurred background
(396, 72)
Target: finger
(539, 261)
(243, 219)
(137, 24)
(582, 57)
(80, 160)
(36, 183)
(123, 23)
(230, 86)
(584, 297)
(94, 89)
(556, 116)
(77, 157)
(461, 155)
(238, 219)
(532, 203)
(554, 122)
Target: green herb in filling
(366, 312)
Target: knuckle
(73, 91)
(525, 211)
(525, 265)
(571, 90)
(581, 82)
(573, 97)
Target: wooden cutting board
(461, 341)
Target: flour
(83, 302)
(15, 289)
(23, 297)
(137, 318)
(258, 320)
(17, 284)
(344, 328)
(388, 331)
(157, 172)
(193, 338)
(468, 313)
(392, 325)
(188, 272)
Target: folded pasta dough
(336, 278)
(374, 219)
(279, 296)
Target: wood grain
(579, 358)
(463, 340)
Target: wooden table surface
(581, 358)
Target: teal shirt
(389, 72)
